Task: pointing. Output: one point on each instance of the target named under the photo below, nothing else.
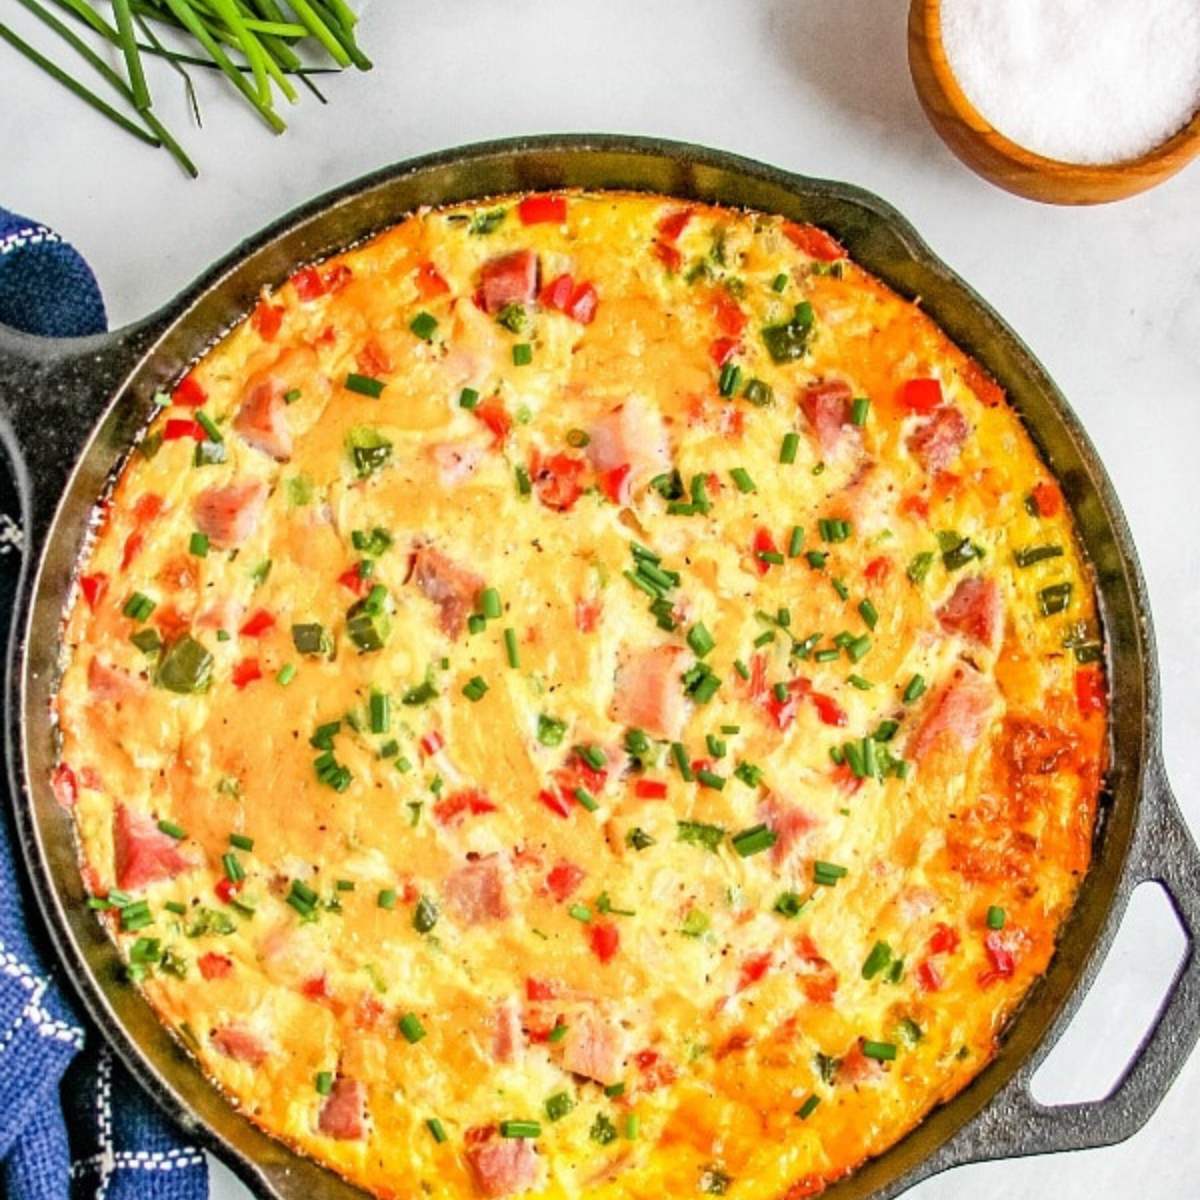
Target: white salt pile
(1082, 81)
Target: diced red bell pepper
(540, 989)
(813, 241)
(554, 801)
(258, 624)
(267, 319)
(64, 786)
(730, 318)
(1001, 957)
(674, 223)
(431, 743)
(336, 278)
(430, 283)
(723, 349)
(557, 480)
(587, 613)
(246, 672)
(878, 569)
(583, 304)
(753, 969)
(668, 255)
(542, 210)
(176, 429)
(929, 976)
(214, 966)
(133, 547)
(189, 393)
(605, 939)
(563, 879)
(944, 940)
(494, 416)
(93, 588)
(1048, 499)
(921, 395)
(557, 293)
(828, 709)
(614, 483)
(1089, 690)
(353, 581)
(650, 789)
(227, 888)
(467, 802)
(763, 543)
(308, 284)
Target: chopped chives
(840, 587)
(522, 354)
(138, 607)
(550, 730)
(1035, 554)
(557, 1033)
(580, 912)
(344, 885)
(816, 558)
(859, 409)
(586, 799)
(381, 712)
(995, 917)
(476, 623)
(425, 915)
(788, 448)
(716, 747)
(856, 648)
(827, 874)
(789, 904)
(364, 385)
(780, 282)
(324, 1083)
(915, 689)
(423, 325)
(291, 395)
(614, 1090)
(468, 398)
(631, 1126)
(198, 545)
(754, 840)
(206, 423)
(286, 674)
(1055, 599)
(770, 556)
(731, 376)
(411, 1027)
(700, 640)
(489, 603)
(510, 647)
(175, 907)
(524, 484)
(809, 1107)
(758, 392)
(475, 689)
(741, 668)
(742, 480)
(172, 830)
(795, 541)
(879, 958)
(880, 1051)
(749, 774)
(436, 1129)
(561, 1103)
(767, 636)
(520, 1129)
(386, 898)
(593, 756)
(710, 779)
(681, 761)
(232, 867)
(857, 681)
(869, 613)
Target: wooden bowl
(1000, 160)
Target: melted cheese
(666, 957)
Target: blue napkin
(72, 1122)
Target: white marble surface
(1108, 298)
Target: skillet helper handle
(52, 393)
(1016, 1124)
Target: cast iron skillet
(69, 409)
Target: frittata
(588, 695)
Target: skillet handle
(52, 393)
(1015, 1124)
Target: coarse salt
(1082, 81)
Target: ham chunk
(240, 1044)
(508, 1040)
(451, 587)
(228, 515)
(648, 693)
(501, 1166)
(791, 824)
(142, 852)
(594, 1047)
(974, 610)
(456, 461)
(631, 436)
(827, 407)
(937, 442)
(958, 714)
(344, 1113)
(475, 893)
(509, 279)
(262, 418)
(106, 682)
